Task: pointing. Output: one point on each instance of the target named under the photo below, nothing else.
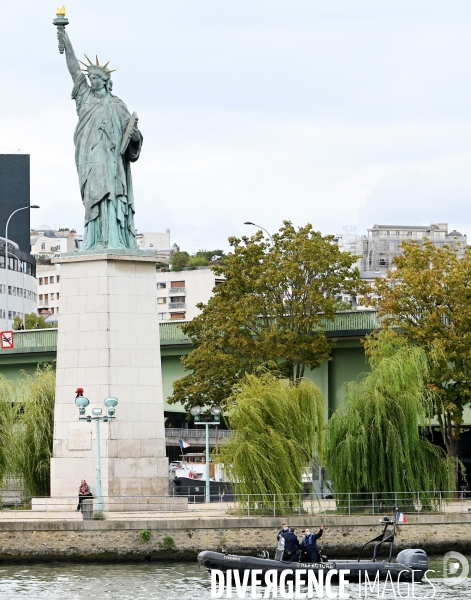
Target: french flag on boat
(183, 444)
(400, 517)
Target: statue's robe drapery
(104, 173)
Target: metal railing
(173, 332)
(177, 290)
(355, 320)
(361, 320)
(196, 433)
(188, 501)
(34, 340)
(176, 304)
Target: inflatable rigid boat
(409, 565)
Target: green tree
(7, 420)
(268, 310)
(179, 261)
(31, 449)
(210, 255)
(197, 261)
(278, 427)
(428, 297)
(375, 439)
(26, 428)
(30, 322)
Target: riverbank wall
(176, 539)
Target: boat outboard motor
(280, 549)
(413, 558)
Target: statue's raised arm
(72, 62)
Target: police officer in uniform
(309, 549)
(292, 546)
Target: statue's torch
(60, 22)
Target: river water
(169, 581)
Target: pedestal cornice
(120, 254)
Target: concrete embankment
(183, 538)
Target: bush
(167, 543)
(144, 535)
(99, 515)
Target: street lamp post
(207, 420)
(260, 227)
(96, 416)
(6, 259)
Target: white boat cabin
(193, 465)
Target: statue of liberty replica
(106, 141)
(108, 342)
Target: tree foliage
(197, 261)
(202, 258)
(30, 322)
(7, 420)
(26, 428)
(428, 296)
(268, 310)
(210, 255)
(278, 427)
(179, 261)
(35, 429)
(375, 439)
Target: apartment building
(178, 292)
(158, 243)
(48, 277)
(383, 242)
(46, 243)
(378, 249)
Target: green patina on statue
(106, 140)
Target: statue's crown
(104, 68)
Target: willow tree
(375, 439)
(30, 450)
(270, 308)
(7, 419)
(278, 427)
(428, 297)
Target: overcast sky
(334, 112)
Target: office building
(17, 283)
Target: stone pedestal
(108, 344)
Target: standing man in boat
(292, 546)
(284, 529)
(309, 549)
